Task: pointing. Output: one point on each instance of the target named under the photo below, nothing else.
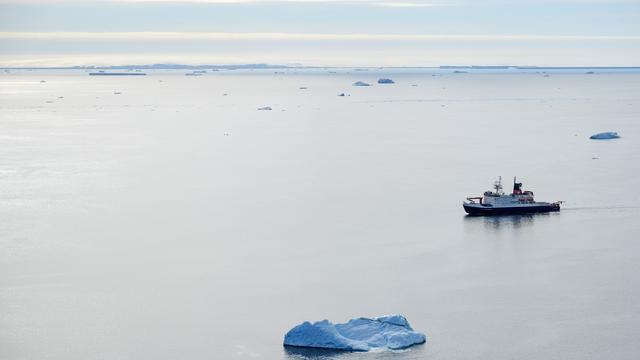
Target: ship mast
(498, 186)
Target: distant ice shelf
(362, 334)
(361, 83)
(102, 73)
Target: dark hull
(489, 210)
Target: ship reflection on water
(512, 221)
(505, 222)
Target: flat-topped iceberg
(385, 81)
(361, 83)
(361, 334)
(604, 136)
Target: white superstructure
(499, 198)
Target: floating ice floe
(385, 81)
(265, 108)
(605, 136)
(361, 83)
(387, 332)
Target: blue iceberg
(362, 334)
(605, 136)
(385, 81)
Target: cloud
(386, 3)
(413, 3)
(405, 4)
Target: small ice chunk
(361, 83)
(265, 108)
(361, 334)
(385, 81)
(605, 136)
(341, 94)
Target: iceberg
(604, 136)
(385, 81)
(265, 108)
(391, 332)
(361, 83)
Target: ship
(498, 203)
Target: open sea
(165, 217)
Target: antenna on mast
(498, 186)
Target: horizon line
(194, 35)
(265, 66)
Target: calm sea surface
(158, 218)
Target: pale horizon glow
(320, 32)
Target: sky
(320, 32)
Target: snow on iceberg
(361, 83)
(361, 334)
(605, 136)
(385, 81)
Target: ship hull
(509, 210)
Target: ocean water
(158, 218)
